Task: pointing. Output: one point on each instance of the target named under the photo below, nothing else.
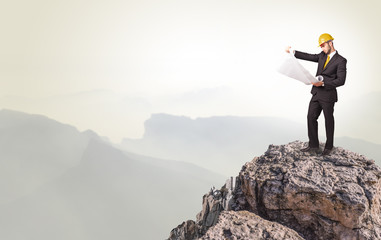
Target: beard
(329, 50)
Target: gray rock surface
(320, 197)
(213, 204)
(247, 225)
(187, 230)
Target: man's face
(326, 48)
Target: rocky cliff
(288, 194)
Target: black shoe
(326, 152)
(309, 149)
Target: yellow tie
(326, 62)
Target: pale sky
(108, 65)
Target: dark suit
(324, 97)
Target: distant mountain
(224, 143)
(58, 183)
(219, 143)
(33, 151)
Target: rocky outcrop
(186, 230)
(319, 197)
(213, 204)
(332, 197)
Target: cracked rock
(333, 197)
(247, 225)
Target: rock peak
(338, 156)
(311, 196)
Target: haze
(108, 65)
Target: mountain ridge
(222, 142)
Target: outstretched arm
(307, 56)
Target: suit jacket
(334, 74)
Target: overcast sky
(108, 65)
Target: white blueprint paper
(293, 69)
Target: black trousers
(314, 110)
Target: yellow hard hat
(325, 37)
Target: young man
(333, 68)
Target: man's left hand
(317, 84)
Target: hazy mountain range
(59, 183)
(225, 143)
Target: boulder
(321, 197)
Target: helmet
(325, 37)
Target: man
(333, 68)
